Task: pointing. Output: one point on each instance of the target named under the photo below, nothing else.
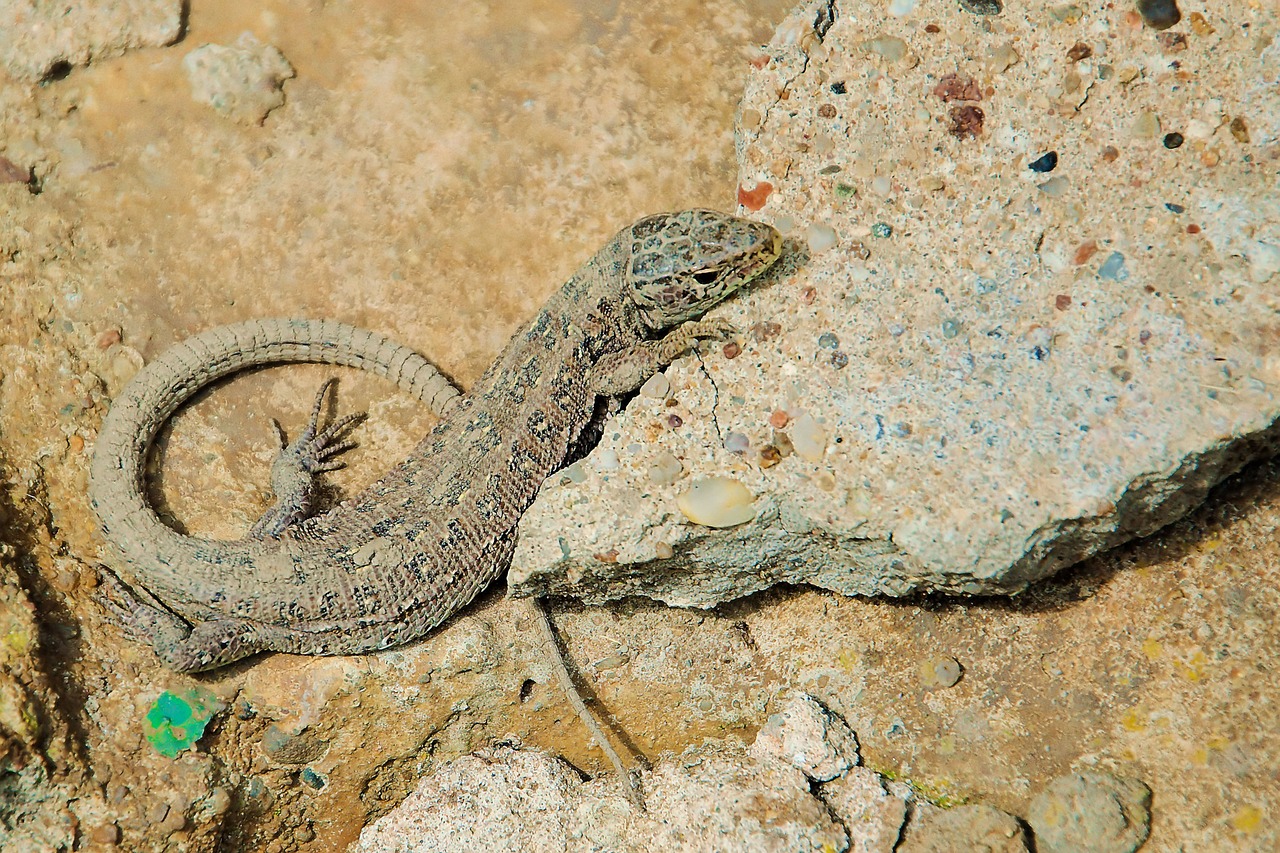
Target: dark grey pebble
(1159, 14)
(1044, 163)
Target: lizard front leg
(626, 370)
(293, 474)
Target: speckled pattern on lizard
(390, 564)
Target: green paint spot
(175, 722)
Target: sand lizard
(398, 558)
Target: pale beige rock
(243, 81)
(971, 827)
(38, 37)
(1009, 374)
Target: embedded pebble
(1173, 140)
(607, 460)
(1159, 14)
(717, 502)
(1113, 269)
(1044, 163)
(736, 442)
(828, 341)
(982, 7)
(1054, 187)
(809, 438)
(882, 229)
(1146, 125)
(820, 237)
(656, 387)
(285, 747)
(839, 360)
(940, 673)
(779, 419)
(665, 469)
(891, 48)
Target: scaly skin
(396, 560)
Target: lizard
(397, 559)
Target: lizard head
(683, 263)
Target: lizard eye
(706, 276)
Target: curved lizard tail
(152, 549)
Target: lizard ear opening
(706, 276)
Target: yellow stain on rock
(1247, 818)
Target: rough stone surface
(1097, 812)
(983, 828)
(712, 798)
(1006, 370)
(810, 738)
(243, 81)
(872, 814)
(37, 37)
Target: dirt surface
(434, 175)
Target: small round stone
(839, 359)
(882, 229)
(828, 341)
(779, 419)
(674, 421)
(809, 438)
(940, 673)
(736, 442)
(1173, 140)
(717, 502)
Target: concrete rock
(977, 827)
(243, 82)
(872, 813)
(1091, 812)
(36, 38)
(810, 738)
(1003, 362)
(712, 798)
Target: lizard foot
(300, 461)
(138, 619)
(687, 336)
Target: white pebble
(717, 502)
(809, 438)
(820, 237)
(656, 387)
(940, 673)
(665, 469)
(607, 460)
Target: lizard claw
(314, 448)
